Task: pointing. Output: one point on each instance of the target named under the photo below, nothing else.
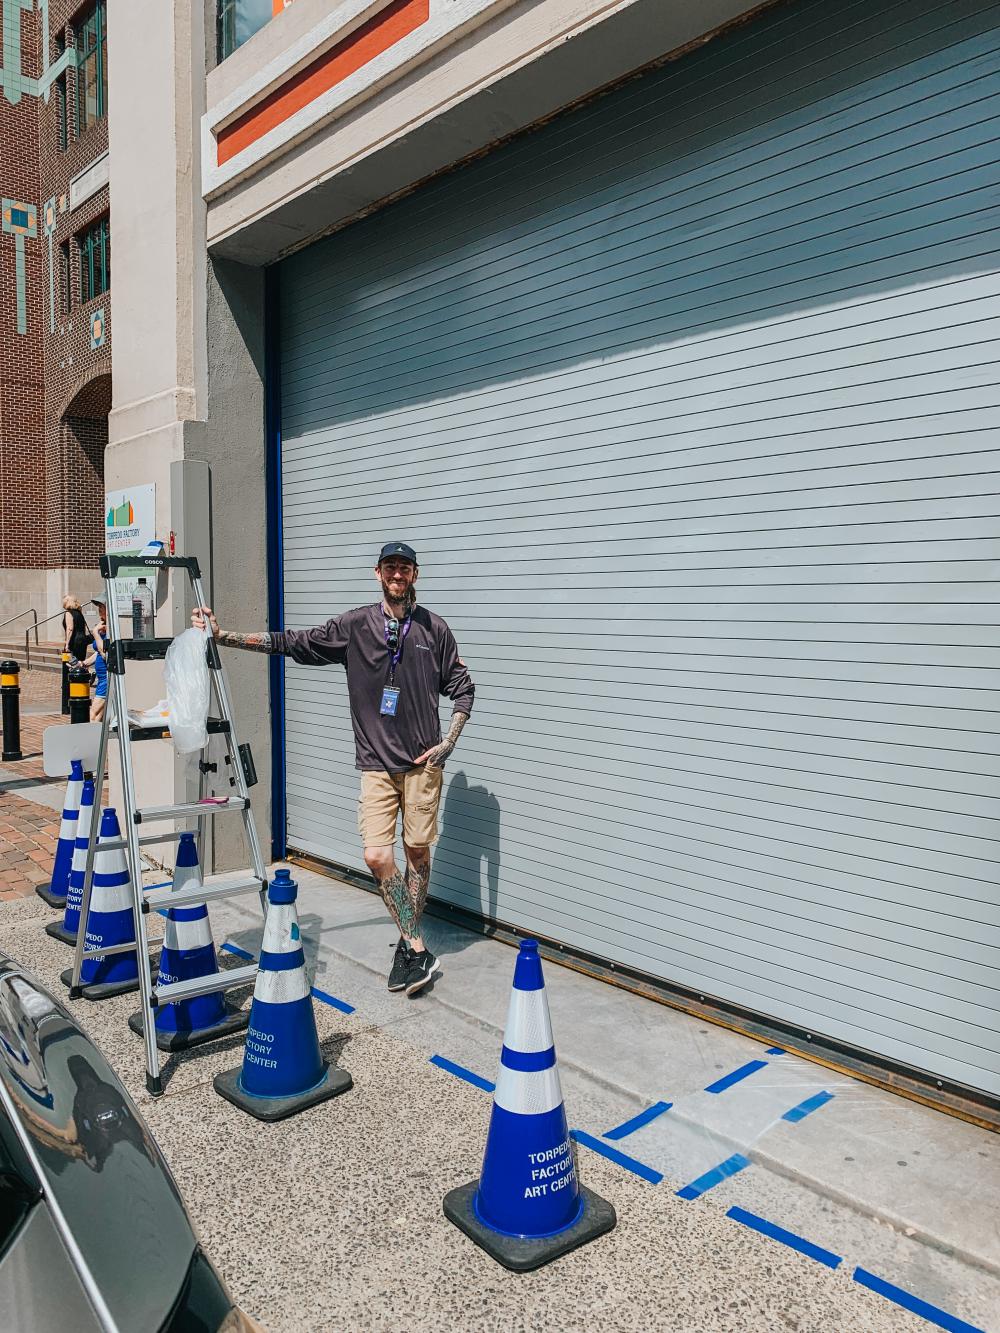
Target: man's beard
(402, 603)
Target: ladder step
(189, 990)
(152, 812)
(120, 844)
(215, 886)
(144, 650)
(130, 947)
(215, 726)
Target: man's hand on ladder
(198, 619)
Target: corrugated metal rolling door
(686, 402)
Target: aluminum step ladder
(241, 776)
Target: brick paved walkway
(28, 836)
(32, 726)
(40, 689)
(28, 830)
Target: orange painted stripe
(332, 67)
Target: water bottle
(142, 611)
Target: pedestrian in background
(97, 660)
(76, 635)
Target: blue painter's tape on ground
(619, 1158)
(776, 1050)
(332, 1000)
(240, 953)
(913, 1303)
(737, 1076)
(460, 1071)
(788, 1238)
(714, 1177)
(637, 1121)
(807, 1107)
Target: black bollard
(79, 694)
(10, 693)
(64, 706)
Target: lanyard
(397, 655)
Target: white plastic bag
(186, 675)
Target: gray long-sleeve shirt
(429, 667)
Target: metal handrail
(27, 648)
(30, 612)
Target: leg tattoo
(418, 877)
(397, 898)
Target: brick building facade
(55, 303)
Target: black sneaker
(400, 965)
(422, 968)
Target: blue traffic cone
(110, 923)
(189, 952)
(67, 928)
(528, 1207)
(54, 890)
(283, 1068)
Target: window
(65, 280)
(238, 20)
(91, 66)
(59, 91)
(95, 260)
(62, 117)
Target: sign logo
(120, 516)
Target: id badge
(390, 699)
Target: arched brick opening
(76, 480)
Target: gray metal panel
(688, 402)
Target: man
(399, 658)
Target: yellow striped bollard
(10, 694)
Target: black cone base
(235, 1021)
(521, 1256)
(44, 892)
(334, 1082)
(100, 990)
(59, 932)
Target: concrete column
(187, 370)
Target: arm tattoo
(441, 752)
(253, 643)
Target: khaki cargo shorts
(417, 793)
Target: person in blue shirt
(96, 660)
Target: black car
(93, 1232)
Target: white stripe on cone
(110, 897)
(184, 877)
(191, 934)
(187, 934)
(83, 824)
(71, 809)
(528, 1026)
(529, 1030)
(528, 1094)
(280, 937)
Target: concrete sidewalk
(332, 1220)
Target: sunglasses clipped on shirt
(392, 635)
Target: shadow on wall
(468, 849)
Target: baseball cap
(398, 549)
